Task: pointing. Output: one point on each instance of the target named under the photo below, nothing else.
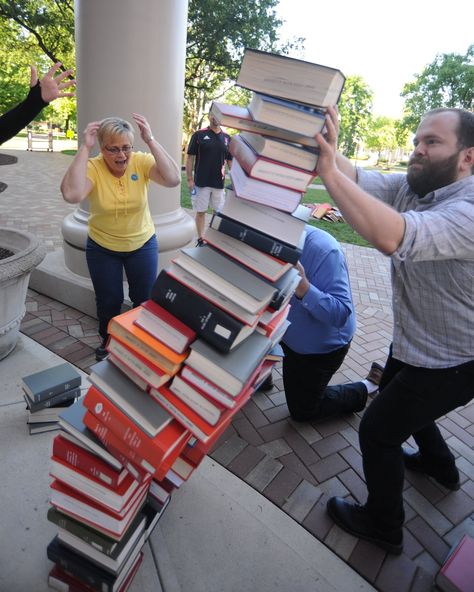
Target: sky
(385, 43)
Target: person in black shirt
(207, 153)
(41, 93)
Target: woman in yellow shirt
(121, 231)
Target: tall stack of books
(183, 363)
(46, 393)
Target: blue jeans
(106, 269)
(409, 402)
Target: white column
(130, 57)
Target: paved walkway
(295, 466)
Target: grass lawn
(340, 230)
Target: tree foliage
(447, 82)
(42, 32)
(382, 136)
(355, 107)
(39, 32)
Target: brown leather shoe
(375, 373)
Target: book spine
(149, 463)
(56, 390)
(179, 414)
(87, 463)
(207, 387)
(54, 401)
(133, 342)
(198, 402)
(129, 359)
(256, 239)
(210, 322)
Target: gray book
(52, 381)
(233, 370)
(71, 422)
(62, 397)
(290, 78)
(227, 277)
(129, 398)
(275, 223)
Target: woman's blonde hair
(114, 126)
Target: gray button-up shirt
(432, 270)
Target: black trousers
(306, 378)
(409, 402)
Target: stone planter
(20, 253)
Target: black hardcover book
(85, 570)
(257, 239)
(210, 322)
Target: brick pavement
(297, 466)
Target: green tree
(39, 32)
(355, 107)
(218, 33)
(447, 82)
(382, 137)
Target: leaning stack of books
(183, 363)
(234, 291)
(46, 393)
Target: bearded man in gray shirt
(424, 221)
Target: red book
(261, 192)
(133, 363)
(457, 573)
(114, 498)
(112, 523)
(161, 490)
(210, 389)
(270, 171)
(193, 421)
(271, 324)
(154, 449)
(160, 323)
(194, 452)
(149, 463)
(136, 470)
(87, 462)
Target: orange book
(123, 327)
(166, 443)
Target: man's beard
(432, 175)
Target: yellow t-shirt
(120, 219)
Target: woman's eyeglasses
(116, 150)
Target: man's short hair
(465, 129)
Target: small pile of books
(46, 393)
(325, 211)
(183, 363)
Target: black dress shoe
(414, 462)
(101, 353)
(355, 520)
(267, 384)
